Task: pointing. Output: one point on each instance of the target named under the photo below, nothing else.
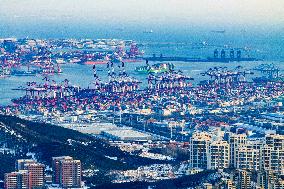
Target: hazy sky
(211, 13)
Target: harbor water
(82, 75)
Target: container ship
(234, 56)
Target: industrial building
(127, 135)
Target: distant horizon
(258, 24)
(169, 16)
(83, 31)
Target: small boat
(156, 68)
(218, 31)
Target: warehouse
(127, 135)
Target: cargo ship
(93, 62)
(24, 73)
(233, 57)
(96, 62)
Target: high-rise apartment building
(36, 171)
(199, 149)
(67, 172)
(56, 167)
(229, 184)
(243, 179)
(219, 155)
(247, 158)
(236, 141)
(17, 180)
(20, 163)
(28, 173)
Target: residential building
(36, 171)
(20, 163)
(199, 149)
(67, 172)
(219, 155)
(236, 141)
(56, 167)
(17, 180)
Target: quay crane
(134, 51)
(117, 82)
(224, 81)
(5, 67)
(269, 70)
(48, 89)
(120, 82)
(45, 63)
(97, 82)
(168, 80)
(221, 75)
